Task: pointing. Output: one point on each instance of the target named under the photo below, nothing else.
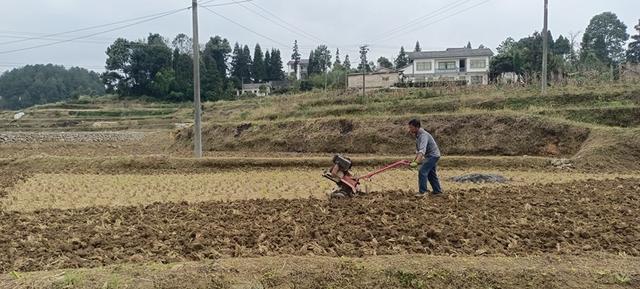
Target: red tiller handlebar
(385, 168)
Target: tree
(633, 53)
(116, 76)
(562, 46)
(183, 72)
(384, 62)
(604, 38)
(39, 84)
(417, 48)
(275, 66)
(258, 69)
(183, 43)
(147, 59)
(402, 60)
(313, 66)
(468, 45)
(506, 46)
(295, 57)
(364, 64)
(241, 64)
(525, 55)
(246, 55)
(337, 62)
(267, 65)
(323, 57)
(319, 60)
(347, 63)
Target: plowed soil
(579, 218)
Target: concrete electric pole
(197, 128)
(545, 47)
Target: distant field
(69, 191)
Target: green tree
(337, 62)
(258, 68)
(364, 65)
(241, 64)
(604, 38)
(322, 59)
(314, 66)
(417, 48)
(633, 53)
(347, 63)
(468, 45)
(267, 65)
(384, 62)
(402, 60)
(562, 46)
(39, 84)
(147, 59)
(246, 54)
(524, 56)
(183, 73)
(183, 43)
(295, 56)
(275, 66)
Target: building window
(447, 65)
(477, 79)
(423, 66)
(478, 63)
(462, 78)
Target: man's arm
(422, 148)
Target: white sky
(338, 23)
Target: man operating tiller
(427, 156)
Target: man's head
(414, 126)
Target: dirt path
(580, 218)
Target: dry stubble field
(117, 215)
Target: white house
(381, 78)
(454, 64)
(303, 65)
(259, 89)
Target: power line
(48, 38)
(226, 3)
(25, 34)
(205, 2)
(247, 28)
(287, 23)
(277, 23)
(436, 21)
(152, 16)
(93, 34)
(424, 17)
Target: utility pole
(364, 73)
(197, 134)
(325, 80)
(545, 47)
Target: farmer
(427, 154)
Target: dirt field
(101, 195)
(576, 218)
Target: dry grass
(68, 191)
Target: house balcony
(451, 70)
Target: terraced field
(105, 195)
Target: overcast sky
(338, 23)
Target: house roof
(254, 85)
(451, 53)
(302, 61)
